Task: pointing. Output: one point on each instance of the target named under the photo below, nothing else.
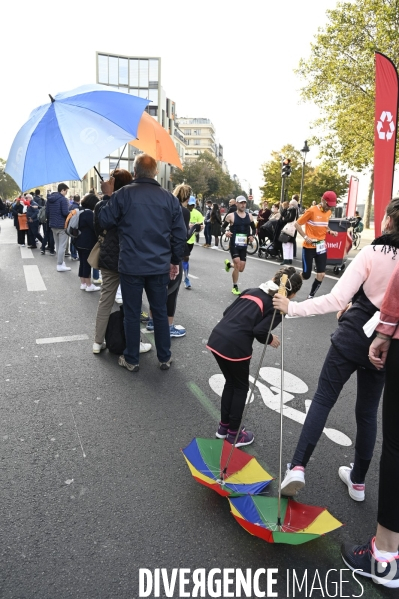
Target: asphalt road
(94, 486)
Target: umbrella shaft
(281, 422)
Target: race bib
(241, 240)
(321, 247)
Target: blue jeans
(74, 251)
(156, 288)
(207, 233)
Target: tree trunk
(367, 207)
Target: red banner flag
(386, 115)
(352, 196)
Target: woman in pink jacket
(364, 284)
(378, 558)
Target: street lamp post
(304, 151)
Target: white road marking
(33, 278)
(294, 265)
(26, 253)
(61, 339)
(271, 397)
(192, 276)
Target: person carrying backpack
(86, 240)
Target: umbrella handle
(282, 291)
(102, 179)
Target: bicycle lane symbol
(271, 397)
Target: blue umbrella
(62, 140)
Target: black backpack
(115, 333)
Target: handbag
(94, 256)
(289, 229)
(284, 237)
(23, 222)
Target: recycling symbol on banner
(386, 116)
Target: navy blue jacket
(74, 206)
(57, 209)
(87, 238)
(151, 229)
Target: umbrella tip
(51, 98)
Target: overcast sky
(229, 61)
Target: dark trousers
(235, 390)
(388, 492)
(21, 236)
(207, 233)
(336, 371)
(48, 238)
(84, 266)
(156, 288)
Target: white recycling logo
(386, 116)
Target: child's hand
(275, 342)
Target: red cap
(331, 198)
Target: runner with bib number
(314, 248)
(241, 223)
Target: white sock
(384, 554)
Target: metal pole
(303, 174)
(282, 291)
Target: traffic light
(286, 168)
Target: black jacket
(243, 321)
(109, 248)
(87, 238)
(151, 229)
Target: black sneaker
(360, 558)
(42, 252)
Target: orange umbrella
(154, 140)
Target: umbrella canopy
(300, 522)
(62, 140)
(154, 140)
(207, 459)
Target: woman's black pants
(235, 390)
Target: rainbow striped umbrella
(300, 523)
(207, 459)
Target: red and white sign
(352, 196)
(386, 111)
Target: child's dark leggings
(235, 390)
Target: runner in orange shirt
(314, 248)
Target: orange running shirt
(316, 224)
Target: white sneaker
(62, 267)
(83, 286)
(97, 347)
(357, 492)
(145, 347)
(92, 288)
(294, 481)
(118, 299)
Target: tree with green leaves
(317, 179)
(8, 188)
(205, 176)
(340, 79)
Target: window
(197, 131)
(113, 70)
(134, 91)
(143, 73)
(153, 69)
(197, 142)
(153, 95)
(134, 72)
(123, 71)
(104, 168)
(143, 93)
(153, 110)
(187, 131)
(102, 68)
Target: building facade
(140, 76)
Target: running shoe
(175, 332)
(187, 283)
(83, 286)
(355, 491)
(227, 265)
(67, 254)
(235, 290)
(145, 347)
(165, 365)
(294, 480)
(150, 325)
(244, 437)
(130, 367)
(98, 347)
(91, 288)
(222, 431)
(143, 316)
(361, 558)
